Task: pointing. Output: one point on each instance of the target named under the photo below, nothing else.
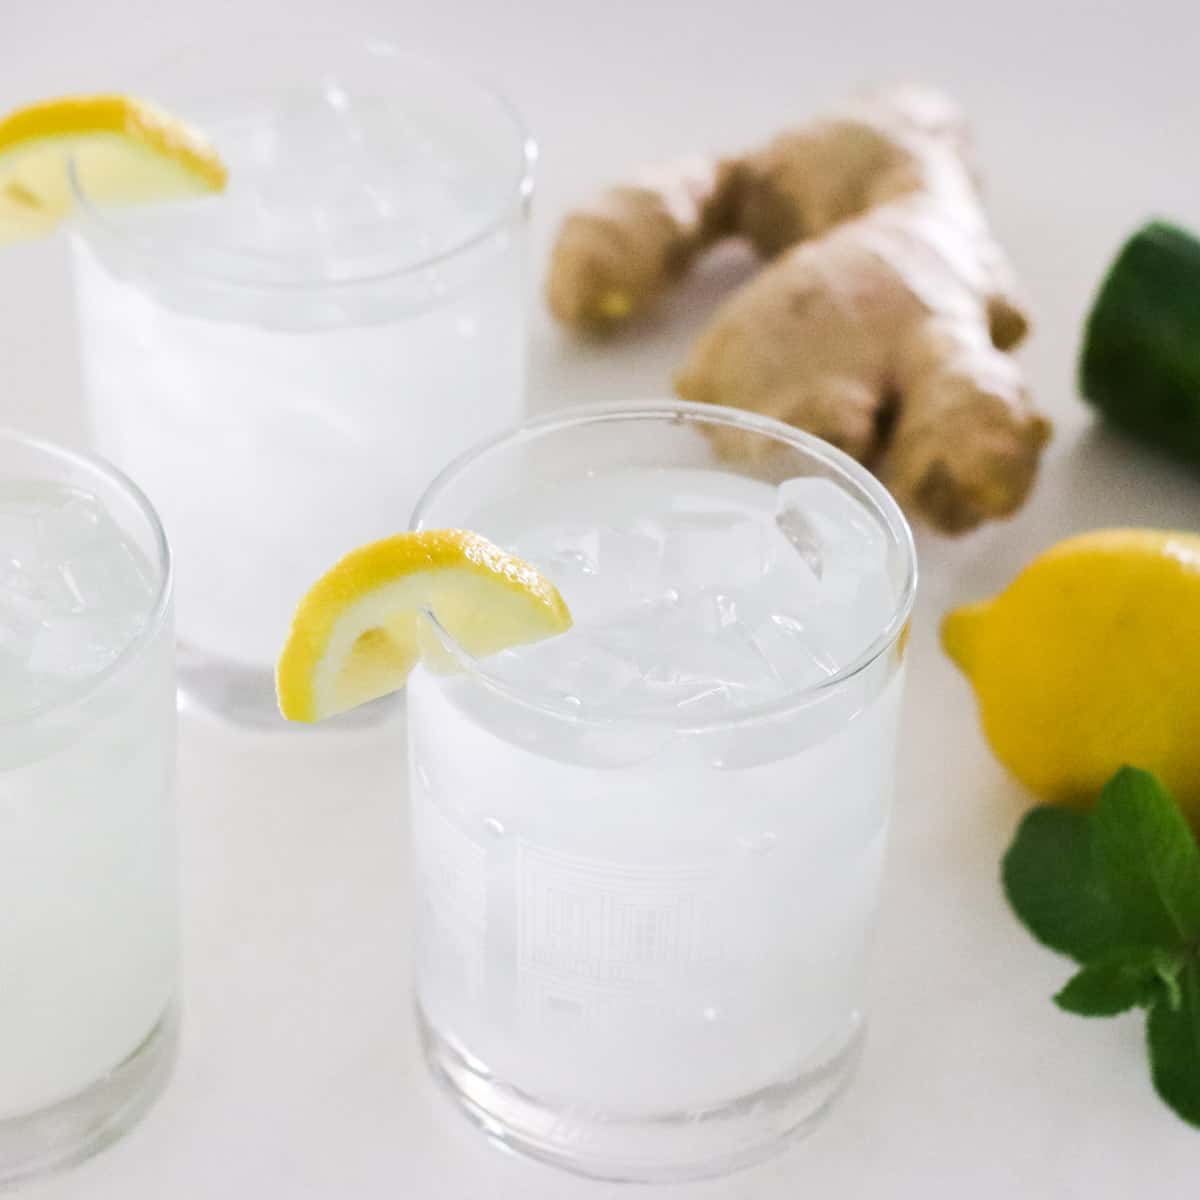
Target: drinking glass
(282, 365)
(88, 871)
(641, 934)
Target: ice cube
(77, 521)
(571, 668)
(802, 536)
(710, 611)
(698, 652)
(601, 571)
(711, 550)
(104, 577)
(575, 560)
(829, 529)
(561, 551)
(630, 571)
(789, 584)
(796, 653)
(847, 549)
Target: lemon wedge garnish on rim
(356, 635)
(124, 150)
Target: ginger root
(883, 321)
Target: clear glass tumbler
(642, 924)
(88, 869)
(283, 365)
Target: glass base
(75, 1129)
(660, 1148)
(245, 697)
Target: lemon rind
(67, 117)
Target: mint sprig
(1118, 890)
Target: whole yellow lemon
(1089, 660)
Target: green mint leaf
(1119, 891)
(1147, 859)
(1131, 977)
(1173, 1035)
(1051, 881)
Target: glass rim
(516, 196)
(133, 650)
(896, 526)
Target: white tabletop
(299, 1075)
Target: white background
(299, 1076)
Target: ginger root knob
(882, 321)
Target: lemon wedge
(356, 635)
(124, 150)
